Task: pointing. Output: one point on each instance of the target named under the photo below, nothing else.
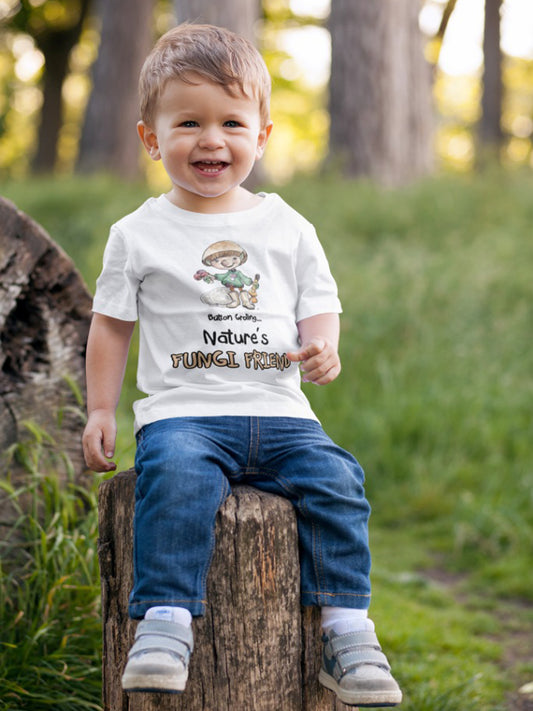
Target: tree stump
(256, 649)
(45, 312)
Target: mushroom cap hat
(222, 249)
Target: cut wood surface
(45, 312)
(256, 649)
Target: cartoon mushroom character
(226, 255)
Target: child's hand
(99, 441)
(320, 362)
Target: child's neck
(236, 200)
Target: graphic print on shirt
(239, 338)
(226, 256)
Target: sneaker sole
(153, 682)
(153, 690)
(360, 698)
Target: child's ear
(149, 140)
(262, 140)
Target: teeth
(203, 165)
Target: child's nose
(211, 137)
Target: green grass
(49, 587)
(437, 387)
(434, 399)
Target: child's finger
(93, 444)
(108, 444)
(317, 368)
(322, 376)
(315, 346)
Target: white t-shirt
(218, 298)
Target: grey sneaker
(159, 658)
(355, 668)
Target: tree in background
(490, 128)
(238, 15)
(109, 141)
(380, 91)
(55, 32)
(379, 88)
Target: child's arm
(107, 353)
(319, 336)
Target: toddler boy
(234, 297)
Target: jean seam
(317, 559)
(253, 447)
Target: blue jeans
(185, 467)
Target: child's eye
(232, 124)
(189, 124)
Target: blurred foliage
(20, 101)
(458, 104)
(38, 18)
(299, 101)
(35, 33)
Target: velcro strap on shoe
(354, 639)
(358, 657)
(164, 636)
(166, 629)
(158, 643)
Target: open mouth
(210, 167)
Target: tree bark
(45, 311)
(109, 140)
(490, 132)
(380, 92)
(255, 649)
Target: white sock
(173, 614)
(346, 619)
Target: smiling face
(227, 262)
(208, 140)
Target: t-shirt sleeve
(317, 290)
(117, 285)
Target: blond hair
(214, 53)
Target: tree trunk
(240, 16)
(380, 91)
(45, 312)
(109, 140)
(56, 46)
(255, 649)
(56, 65)
(490, 132)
